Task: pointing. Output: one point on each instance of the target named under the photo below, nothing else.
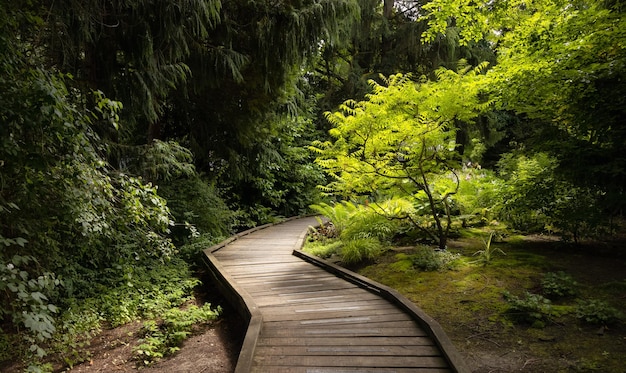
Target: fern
(339, 214)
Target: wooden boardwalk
(306, 315)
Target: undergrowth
(164, 337)
(142, 292)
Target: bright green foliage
(368, 222)
(358, 250)
(400, 140)
(323, 248)
(361, 231)
(561, 67)
(480, 196)
(340, 214)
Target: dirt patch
(213, 348)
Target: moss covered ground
(469, 302)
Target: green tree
(401, 141)
(134, 51)
(561, 68)
(65, 213)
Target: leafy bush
(191, 252)
(76, 326)
(479, 197)
(164, 338)
(146, 291)
(533, 308)
(360, 249)
(194, 201)
(595, 311)
(323, 249)
(360, 228)
(428, 259)
(537, 198)
(26, 299)
(558, 284)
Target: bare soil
(213, 348)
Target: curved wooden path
(307, 315)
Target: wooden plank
(268, 268)
(353, 305)
(314, 321)
(302, 288)
(349, 350)
(343, 331)
(281, 369)
(286, 316)
(328, 296)
(312, 272)
(352, 361)
(337, 321)
(345, 341)
(396, 320)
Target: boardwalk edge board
(244, 304)
(238, 297)
(249, 311)
(433, 328)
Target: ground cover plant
(507, 316)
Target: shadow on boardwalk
(307, 315)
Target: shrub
(534, 308)
(366, 223)
(191, 251)
(77, 325)
(480, 196)
(428, 259)
(595, 311)
(339, 214)
(26, 301)
(195, 201)
(558, 284)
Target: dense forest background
(134, 133)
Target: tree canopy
(133, 131)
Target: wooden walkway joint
(307, 315)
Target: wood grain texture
(308, 318)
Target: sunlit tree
(400, 141)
